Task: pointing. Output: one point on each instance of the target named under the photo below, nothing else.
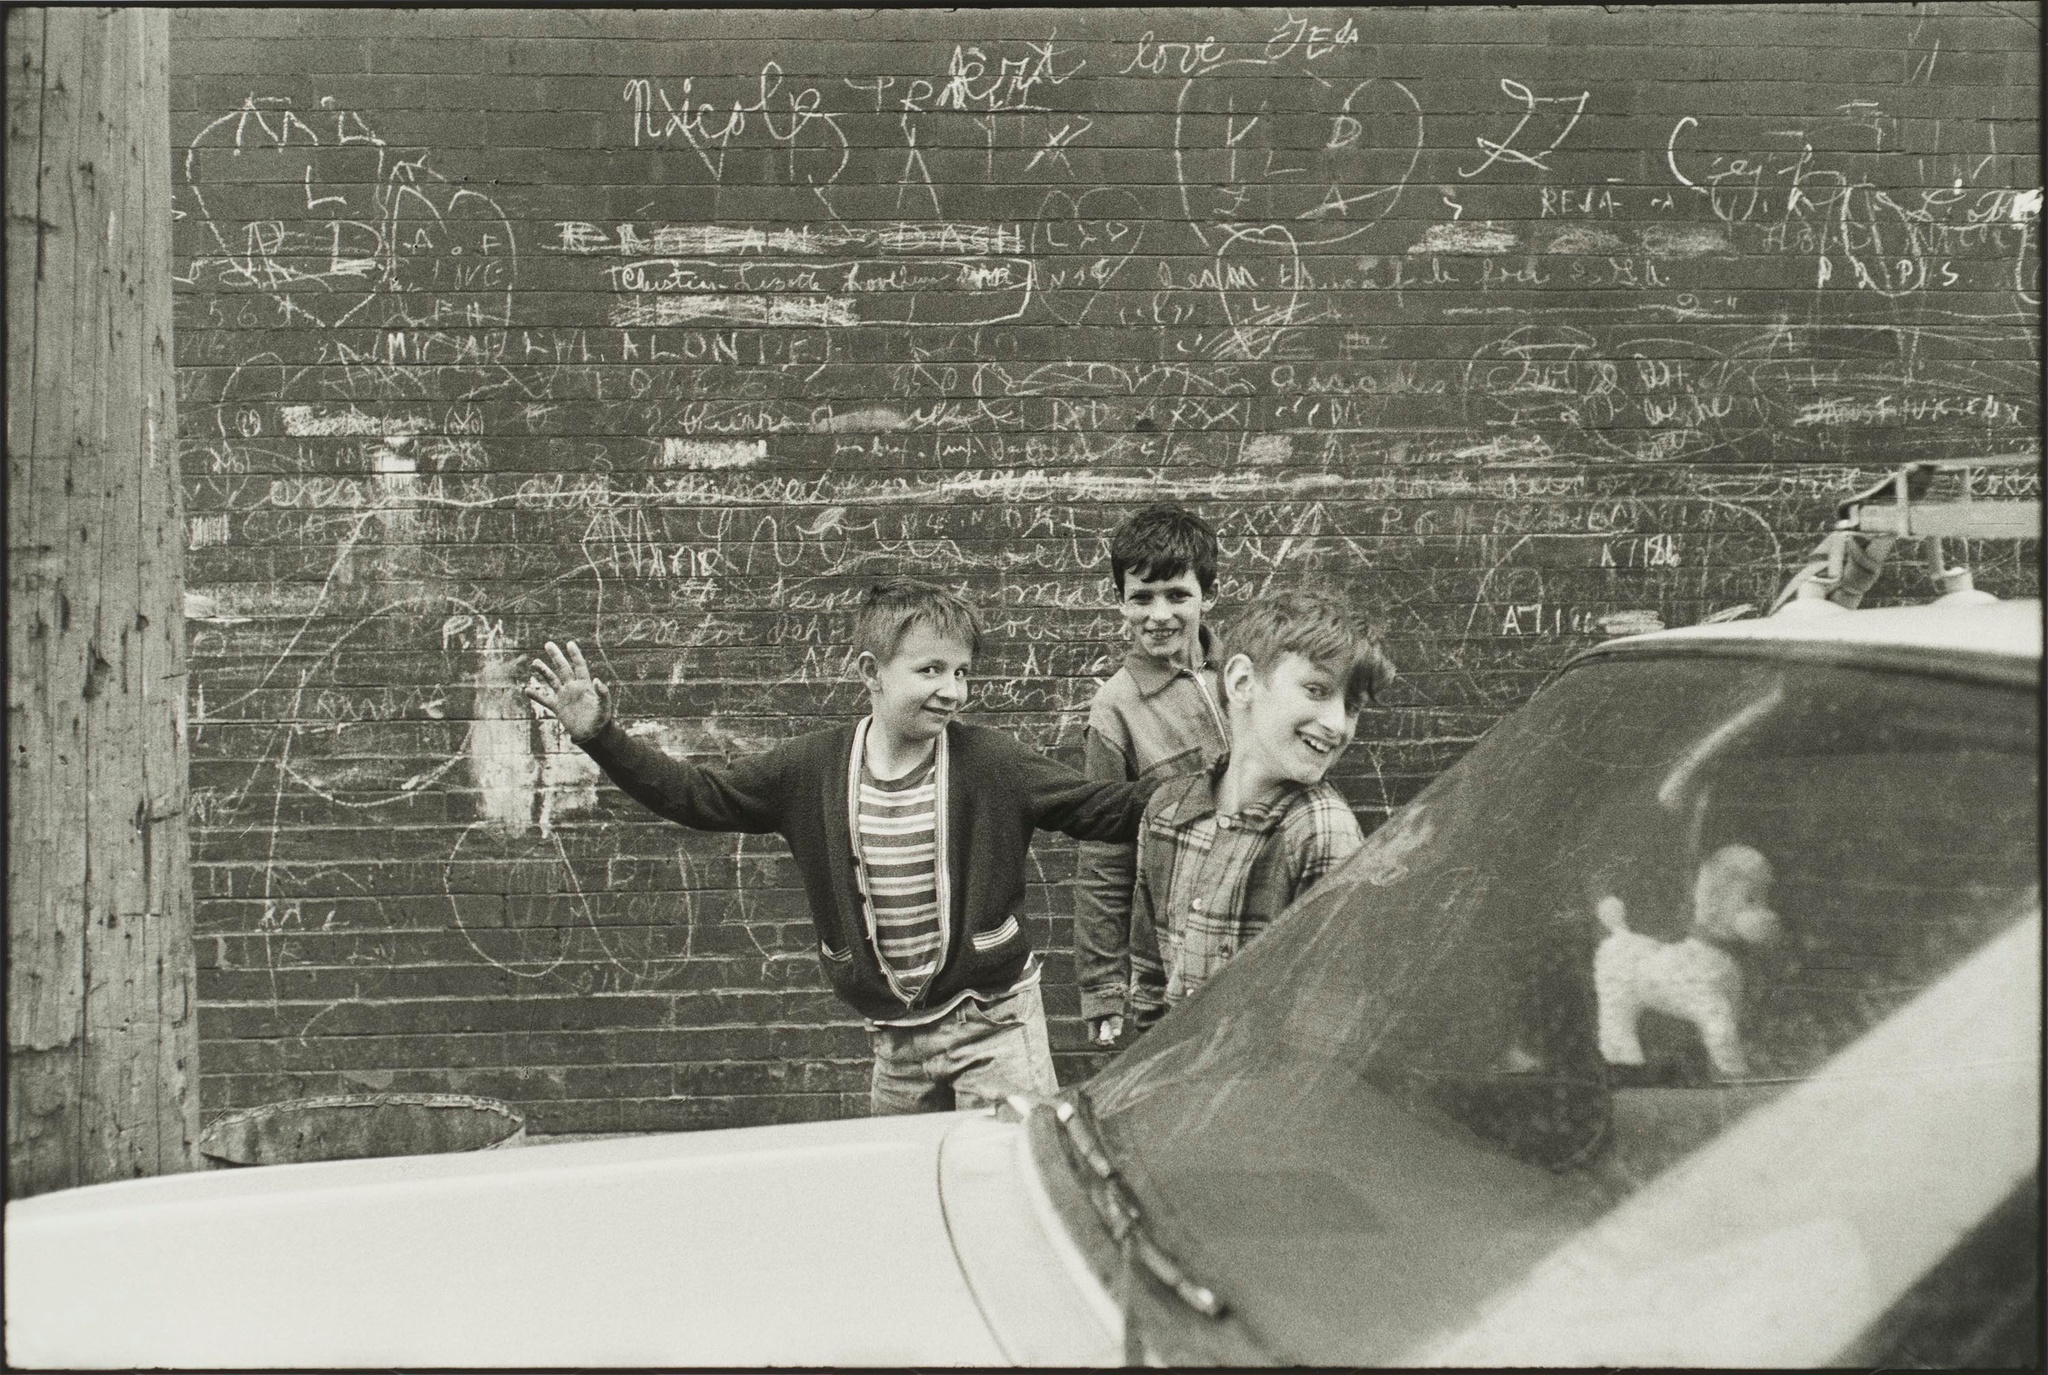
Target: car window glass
(1654, 899)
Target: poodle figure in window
(1695, 979)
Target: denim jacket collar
(1151, 678)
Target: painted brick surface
(667, 331)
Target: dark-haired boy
(1225, 851)
(1158, 717)
(910, 830)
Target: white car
(1693, 1018)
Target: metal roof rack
(1843, 566)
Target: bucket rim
(220, 1140)
(372, 1100)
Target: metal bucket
(358, 1126)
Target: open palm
(563, 687)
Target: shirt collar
(1152, 678)
(1198, 800)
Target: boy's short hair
(889, 609)
(1321, 626)
(1164, 540)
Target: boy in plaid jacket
(1224, 851)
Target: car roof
(2001, 640)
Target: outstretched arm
(746, 795)
(1084, 808)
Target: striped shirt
(1208, 883)
(898, 826)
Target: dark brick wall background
(667, 330)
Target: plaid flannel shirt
(1208, 883)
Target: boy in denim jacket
(1160, 716)
(1224, 851)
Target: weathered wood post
(102, 1046)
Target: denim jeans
(970, 1058)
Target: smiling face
(1164, 615)
(1289, 725)
(921, 687)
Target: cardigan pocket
(989, 940)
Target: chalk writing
(672, 337)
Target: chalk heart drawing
(1331, 172)
(1105, 223)
(456, 254)
(1257, 307)
(383, 239)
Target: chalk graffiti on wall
(674, 355)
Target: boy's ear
(1237, 679)
(868, 667)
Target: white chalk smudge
(1834, 410)
(707, 239)
(1584, 238)
(568, 776)
(388, 460)
(870, 420)
(779, 309)
(1268, 449)
(711, 240)
(1689, 241)
(308, 423)
(2026, 206)
(1631, 622)
(202, 606)
(501, 756)
(1508, 451)
(701, 736)
(1478, 236)
(711, 454)
(204, 532)
(398, 488)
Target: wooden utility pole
(102, 1055)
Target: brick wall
(666, 331)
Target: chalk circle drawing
(1542, 375)
(1617, 387)
(323, 700)
(1329, 172)
(533, 919)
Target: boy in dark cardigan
(910, 829)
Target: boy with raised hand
(1223, 852)
(1159, 716)
(910, 830)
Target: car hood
(811, 1244)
